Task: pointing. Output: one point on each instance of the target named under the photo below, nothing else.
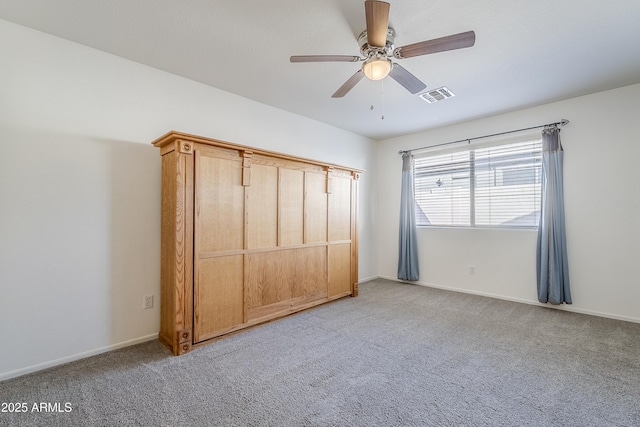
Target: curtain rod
(562, 122)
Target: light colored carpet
(398, 355)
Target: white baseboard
(367, 279)
(565, 307)
(85, 354)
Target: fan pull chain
(381, 96)
(372, 93)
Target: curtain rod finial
(564, 122)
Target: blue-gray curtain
(408, 248)
(551, 261)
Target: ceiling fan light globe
(376, 68)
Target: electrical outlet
(147, 302)
(472, 270)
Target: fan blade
(406, 79)
(377, 13)
(455, 41)
(324, 58)
(348, 85)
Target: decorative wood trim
(329, 170)
(267, 318)
(183, 336)
(245, 302)
(278, 206)
(169, 148)
(288, 306)
(339, 242)
(189, 185)
(180, 232)
(246, 167)
(184, 348)
(186, 147)
(197, 158)
(171, 136)
(354, 235)
(205, 255)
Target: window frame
(524, 138)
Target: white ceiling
(526, 53)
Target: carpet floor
(397, 355)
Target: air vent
(436, 95)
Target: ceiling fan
(377, 48)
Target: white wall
(80, 189)
(602, 202)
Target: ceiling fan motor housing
(386, 50)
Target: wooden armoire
(248, 236)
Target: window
(489, 186)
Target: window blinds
(487, 186)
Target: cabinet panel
(340, 209)
(339, 269)
(281, 279)
(262, 207)
(311, 270)
(219, 204)
(315, 207)
(291, 207)
(218, 295)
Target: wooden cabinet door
(339, 269)
(339, 210)
(219, 240)
(290, 207)
(339, 250)
(280, 281)
(262, 207)
(315, 207)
